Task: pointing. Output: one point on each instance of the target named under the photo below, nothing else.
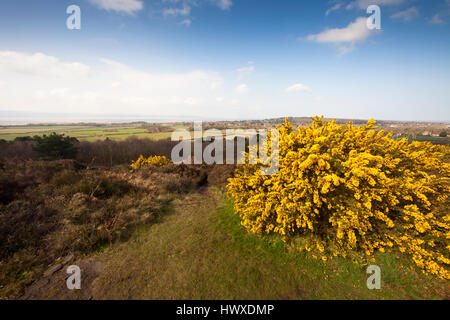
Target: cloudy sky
(234, 59)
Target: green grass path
(199, 251)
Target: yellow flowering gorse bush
(143, 162)
(350, 191)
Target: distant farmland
(91, 132)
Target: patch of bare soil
(53, 283)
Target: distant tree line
(99, 153)
(106, 153)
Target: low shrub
(157, 161)
(350, 191)
(51, 209)
(220, 174)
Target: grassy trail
(199, 251)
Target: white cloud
(355, 31)
(364, 4)
(186, 22)
(49, 85)
(245, 71)
(406, 15)
(298, 87)
(335, 7)
(40, 64)
(346, 37)
(126, 6)
(345, 49)
(55, 92)
(224, 4)
(192, 101)
(164, 82)
(243, 88)
(437, 19)
(185, 10)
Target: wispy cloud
(39, 64)
(47, 83)
(125, 6)
(440, 17)
(346, 37)
(186, 22)
(406, 15)
(346, 49)
(363, 4)
(243, 88)
(355, 31)
(336, 6)
(298, 87)
(437, 19)
(185, 10)
(245, 71)
(224, 4)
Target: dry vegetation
(160, 231)
(51, 209)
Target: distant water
(23, 118)
(53, 121)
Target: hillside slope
(199, 251)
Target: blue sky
(234, 59)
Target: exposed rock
(67, 259)
(35, 286)
(42, 282)
(50, 271)
(54, 287)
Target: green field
(436, 140)
(94, 132)
(86, 132)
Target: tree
(443, 134)
(24, 139)
(55, 146)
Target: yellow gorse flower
(347, 189)
(143, 162)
